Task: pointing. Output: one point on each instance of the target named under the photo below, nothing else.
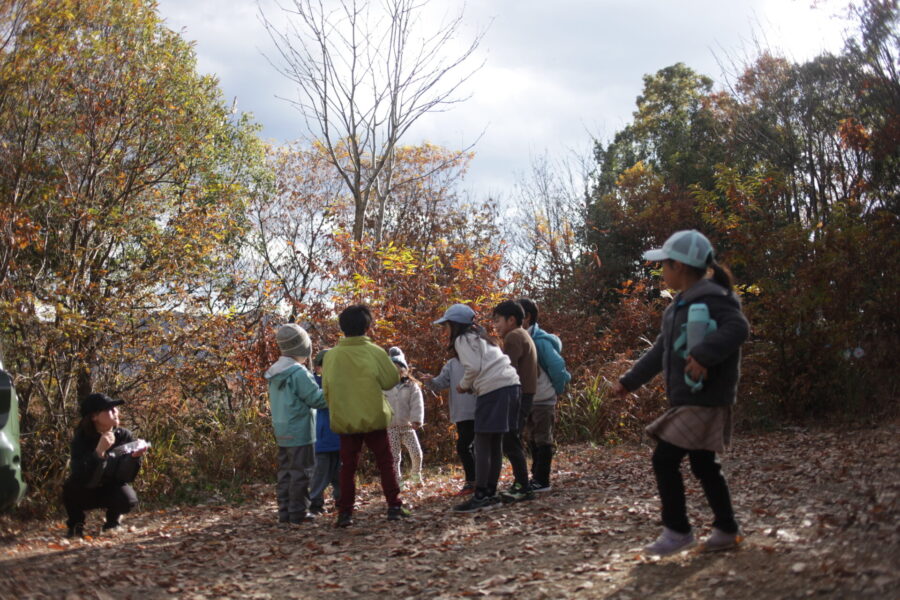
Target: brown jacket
(519, 347)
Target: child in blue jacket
(293, 397)
(328, 454)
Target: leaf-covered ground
(819, 509)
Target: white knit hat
(397, 356)
(293, 341)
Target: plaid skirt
(694, 427)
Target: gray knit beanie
(398, 357)
(293, 341)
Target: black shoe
(110, 525)
(395, 513)
(477, 503)
(75, 531)
(517, 493)
(344, 520)
(316, 510)
(538, 487)
(304, 518)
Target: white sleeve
(470, 357)
(416, 404)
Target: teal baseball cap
(689, 247)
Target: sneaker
(538, 487)
(304, 518)
(719, 540)
(476, 503)
(467, 489)
(517, 493)
(316, 510)
(670, 542)
(75, 531)
(344, 520)
(395, 513)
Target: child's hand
(697, 371)
(139, 453)
(426, 377)
(461, 390)
(619, 390)
(106, 442)
(415, 424)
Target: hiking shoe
(538, 487)
(517, 493)
(110, 526)
(670, 542)
(719, 540)
(395, 513)
(344, 520)
(467, 489)
(75, 531)
(476, 503)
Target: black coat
(720, 351)
(91, 471)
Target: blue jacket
(549, 358)
(294, 398)
(326, 439)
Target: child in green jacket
(294, 396)
(355, 374)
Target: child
(293, 397)
(406, 401)
(462, 413)
(517, 345)
(355, 374)
(328, 456)
(551, 381)
(100, 476)
(698, 424)
(488, 373)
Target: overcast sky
(556, 72)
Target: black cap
(98, 402)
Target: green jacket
(355, 374)
(293, 397)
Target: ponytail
(460, 329)
(721, 275)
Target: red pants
(351, 448)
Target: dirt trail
(820, 511)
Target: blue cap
(689, 247)
(458, 313)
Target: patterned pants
(406, 437)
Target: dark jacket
(91, 471)
(720, 351)
(326, 439)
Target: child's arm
(308, 391)
(732, 330)
(646, 367)
(470, 358)
(442, 381)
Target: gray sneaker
(670, 542)
(719, 540)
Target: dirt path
(820, 511)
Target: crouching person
(101, 474)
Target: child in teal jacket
(293, 397)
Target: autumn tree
(123, 194)
(366, 73)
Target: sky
(555, 75)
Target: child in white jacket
(409, 413)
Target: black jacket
(91, 471)
(720, 351)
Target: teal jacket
(293, 398)
(551, 361)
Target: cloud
(555, 73)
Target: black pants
(117, 499)
(488, 460)
(667, 467)
(513, 448)
(465, 438)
